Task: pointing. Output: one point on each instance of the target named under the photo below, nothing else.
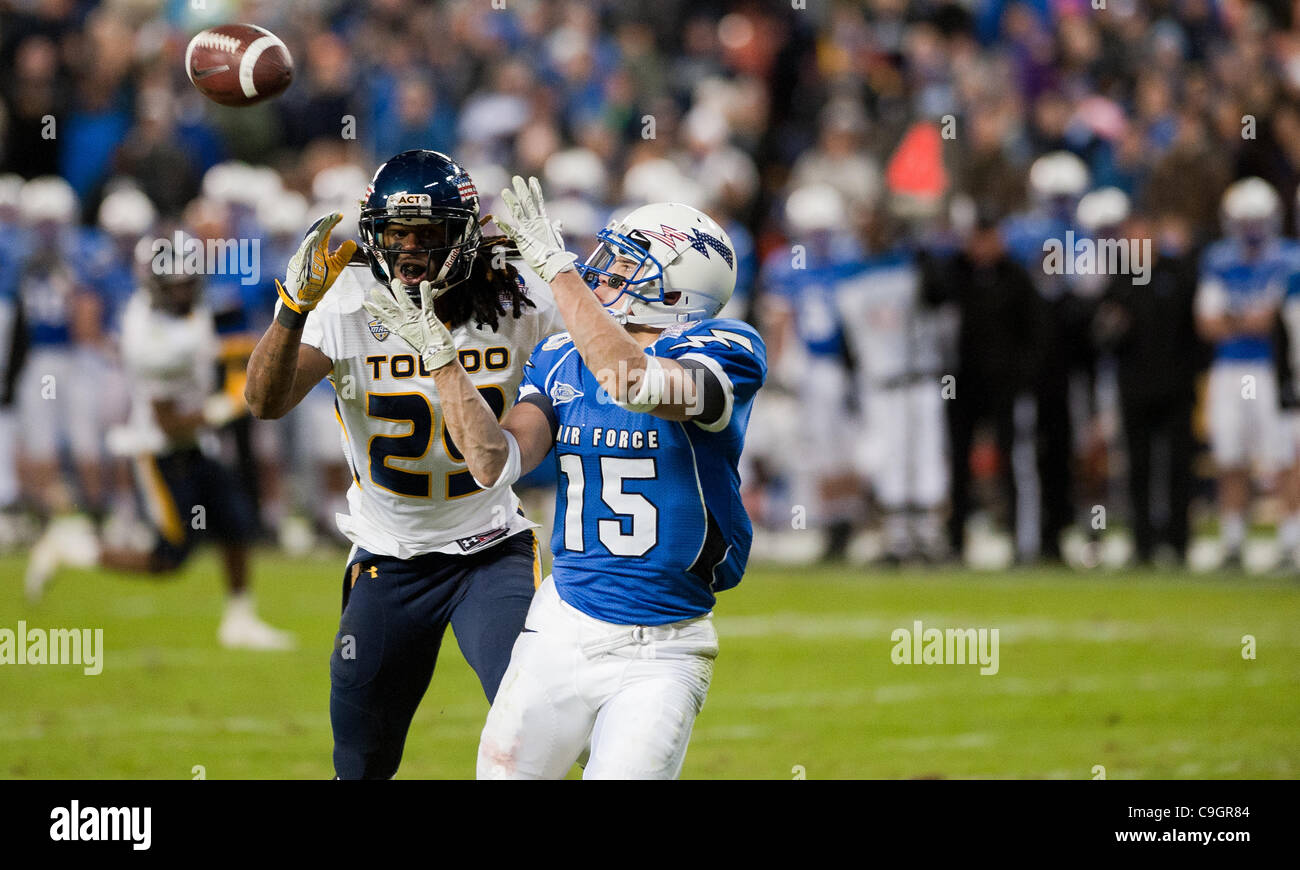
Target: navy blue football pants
(394, 614)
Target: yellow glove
(313, 268)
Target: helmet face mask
(627, 266)
(420, 249)
(669, 262)
(419, 222)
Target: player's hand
(532, 231)
(418, 326)
(314, 269)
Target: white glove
(529, 227)
(418, 326)
(313, 269)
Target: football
(238, 64)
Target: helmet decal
(465, 186)
(703, 241)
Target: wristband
(649, 391)
(512, 469)
(290, 319)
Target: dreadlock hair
(492, 289)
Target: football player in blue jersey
(1244, 279)
(646, 400)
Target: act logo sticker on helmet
(407, 200)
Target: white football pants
(628, 694)
(908, 438)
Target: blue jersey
(1025, 235)
(110, 272)
(1231, 281)
(648, 518)
(11, 260)
(808, 286)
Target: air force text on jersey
(623, 439)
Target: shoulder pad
(349, 291)
(555, 342)
(723, 331)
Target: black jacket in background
(1157, 351)
(997, 341)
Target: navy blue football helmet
(433, 196)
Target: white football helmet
(48, 199)
(284, 214)
(1057, 175)
(816, 207)
(675, 264)
(11, 187)
(126, 212)
(1251, 210)
(1103, 209)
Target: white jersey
(893, 336)
(411, 492)
(166, 357)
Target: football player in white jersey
(431, 546)
(896, 341)
(169, 352)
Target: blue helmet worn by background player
(429, 190)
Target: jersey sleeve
(316, 331)
(534, 387)
(158, 367)
(547, 315)
(323, 329)
(733, 351)
(541, 362)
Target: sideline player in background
(431, 546)
(808, 355)
(1244, 278)
(896, 342)
(58, 403)
(647, 410)
(169, 351)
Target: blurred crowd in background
(887, 170)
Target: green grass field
(1140, 673)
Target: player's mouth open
(411, 271)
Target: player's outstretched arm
(632, 379)
(496, 454)
(282, 370)
(492, 456)
(652, 385)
